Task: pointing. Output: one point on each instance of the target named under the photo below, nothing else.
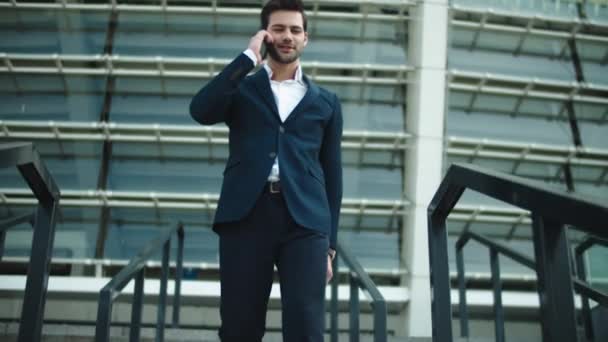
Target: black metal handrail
(358, 278)
(580, 285)
(551, 210)
(27, 160)
(586, 291)
(495, 249)
(136, 269)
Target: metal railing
(585, 291)
(550, 210)
(136, 270)
(25, 157)
(358, 278)
(495, 249)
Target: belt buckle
(272, 189)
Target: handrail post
(38, 271)
(499, 319)
(104, 314)
(2, 238)
(554, 280)
(334, 301)
(137, 306)
(441, 306)
(178, 275)
(354, 308)
(462, 292)
(162, 295)
(585, 307)
(379, 320)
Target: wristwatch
(331, 253)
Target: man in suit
(282, 187)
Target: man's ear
(305, 38)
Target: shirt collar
(297, 78)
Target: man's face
(287, 30)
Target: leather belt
(274, 187)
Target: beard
(282, 58)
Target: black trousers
(249, 249)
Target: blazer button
(282, 129)
(272, 155)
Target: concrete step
(73, 333)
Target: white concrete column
(426, 99)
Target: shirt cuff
(249, 53)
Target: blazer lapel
(260, 79)
(309, 98)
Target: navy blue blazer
(307, 145)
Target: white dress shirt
(287, 95)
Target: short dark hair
(282, 5)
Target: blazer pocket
(316, 175)
(231, 164)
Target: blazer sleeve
(212, 103)
(331, 162)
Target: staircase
(72, 333)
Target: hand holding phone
(259, 44)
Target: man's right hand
(255, 43)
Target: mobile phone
(264, 49)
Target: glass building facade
(103, 88)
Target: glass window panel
(355, 52)
(596, 73)
(525, 66)
(221, 37)
(591, 51)
(593, 175)
(143, 86)
(10, 177)
(494, 164)
(24, 83)
(562, 8)
(177, 23)
(388, 158)
(594, 134)
(73, 165)
(378, 183)
(56, 107)
(164, 175)
(382, 94)
(598, 256)
(459, 99)
(594, 192)
(152, 109)
(543, 108)
(372, 117)
(596, 10)
(477, 257)
(131, 229)
(143, 151)
(472, 197)
(502, 127)
(51, 31)
(540, 170)
(591, 112)
(75, 233)
(373, 250)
